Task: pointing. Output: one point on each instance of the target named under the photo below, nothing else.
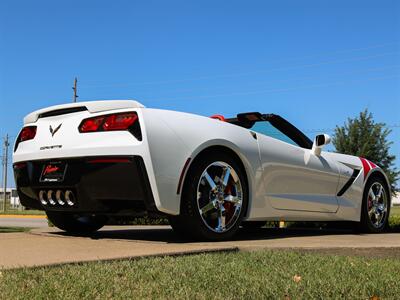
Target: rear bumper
(109, 185)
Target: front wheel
(77, 224)
(375, 207)
(214, 198)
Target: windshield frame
(247, 120)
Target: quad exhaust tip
(50, 197)
(60, 197)
(42, 196)
(57, 197)
(69, 197)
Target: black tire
(76, 224)
(366, 224)
(178, 226)
(253, 224)
(190, 223)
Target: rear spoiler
(91, 106)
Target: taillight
(91, 125)
(26, 134)
(119, 121)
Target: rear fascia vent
(62, 111)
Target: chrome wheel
(377, 205)
(219, 197)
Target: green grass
(395, 210)
(22, 212)
(14, 211)
(13, 229)
(394, 220)
(243, 275)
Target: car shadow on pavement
(165, 234)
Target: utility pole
(75, 89)
(5, 161)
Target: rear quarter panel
(173, 137)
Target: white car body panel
(286, 182)
(296, 179)
(92, 107)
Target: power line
(230, 75)
(298, 78)
(267, 91)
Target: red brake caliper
(229, 207)
(369, 202)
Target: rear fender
(247, 164)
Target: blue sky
(314, 62)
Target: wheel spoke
(237, 210)
(225, 176)
(379, 194)
(372, 194)
(210, 181)
(382, 208)
(209, 206)
(378, 218)
(232, 199)
(221, 218)
(371, 211)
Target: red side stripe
(367, 166)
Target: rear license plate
(53, 172)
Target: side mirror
(319, 142)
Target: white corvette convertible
(84, 162)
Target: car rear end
(85, 157)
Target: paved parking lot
(46, 246)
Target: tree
(363, 137)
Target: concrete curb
(135, 242)
(122, 258)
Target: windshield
(274, 126)
(264, 127)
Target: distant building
(12, 197)
(396, 199)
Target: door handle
(253, 134)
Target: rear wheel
(375, 206)
(214, 198)
(74, 223)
